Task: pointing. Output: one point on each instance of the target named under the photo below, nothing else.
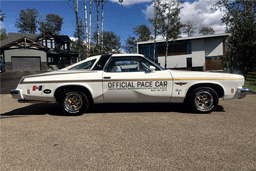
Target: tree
(75, 48)
(86, 26)
(171, 28)
(189, 28)
(80, 30)
(79, 45)
(90, 23)
(75, 9)
(241, 25)
(206, 31)
(130, 45)
(157, 21)
(52, 22)
(2, 16)
(143, 32)
(3, 34)
(27, 21)
(111, 43)
(97, 3)
(102, 14)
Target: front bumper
(241, 92)
(16, 94)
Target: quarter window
(85, 65)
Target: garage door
(21, 63)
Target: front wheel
(204, 100)
(73, 102)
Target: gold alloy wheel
(204, 100)
(73, 102)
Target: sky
(120, 18)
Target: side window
(85, 65)
(128, 64)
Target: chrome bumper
(241, 92)
(16, 94)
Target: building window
(189, 62)
(53, 43)
(44, 43)
(49, 43)
(65, 46)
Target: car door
(129, 79)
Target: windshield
(85, 65)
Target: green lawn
(251, 81)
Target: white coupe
(126, 78)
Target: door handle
(106, 77)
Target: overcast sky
(120, 18)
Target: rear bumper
(241, 92)
(16, 94)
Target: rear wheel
(204, 100)
(73, 102)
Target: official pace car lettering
(129, 85)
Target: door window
(129, 64)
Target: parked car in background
(2, 67)
(127, 78)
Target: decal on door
(129, 85)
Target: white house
(188, 53)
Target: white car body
(104, 86)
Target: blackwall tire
(204, 100)
(73, 103)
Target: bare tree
(97, 3)
(157, 21)
(75, 9)
(86, 26)
(90, 24)
(171, 28)
(102, 12)
(189, 28)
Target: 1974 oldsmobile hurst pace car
(127, 78)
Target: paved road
(128, 137)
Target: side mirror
(152, 69)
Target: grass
(251, 81)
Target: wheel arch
(218, 88)
(59, 90)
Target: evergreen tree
(3, 34)
(52, 22)
(27, 21)
(206, 31)
(2, 16)
(241, 25)
(130, 45)
(143, 33)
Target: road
(128, 137)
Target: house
(36, 52)
(189, 53)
